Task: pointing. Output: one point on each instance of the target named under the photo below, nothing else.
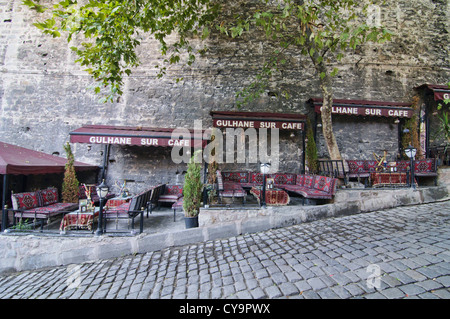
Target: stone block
(221, 231)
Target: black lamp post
(265, 168)
(102, 192)
(410, 151)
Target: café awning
(440, 92)
(141, 136)
(366, 108)
(16, 160)
(283, 121)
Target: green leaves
(111, 32)
(324, 31)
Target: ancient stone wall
(44, 95)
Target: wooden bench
(333, 168)
(361, 169)
(229, 189)
(422, 168)
(308, 186)
(313, 186)
(130, 210)
(41, 204)
(170, 194)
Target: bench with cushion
(308, 186)
(422, 168)
(313, 186)
(229, 189)
(130, 210)
(361, 169)
(171, 194)
(251, 179)
(178, 205)
(40, 204)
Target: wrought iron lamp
(410, 151)
(102, 192)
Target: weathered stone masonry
(44, 95)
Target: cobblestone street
(397, 253)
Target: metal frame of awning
(265, 120)
(108, 135)
(16, 160)
(440, 92)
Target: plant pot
(191, 222)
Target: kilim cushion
(49, 196)
(323, 183)
(26, 200)
(309, 181)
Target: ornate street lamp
(102, 192)
(410, 151)
(265, 168)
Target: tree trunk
(327, 126)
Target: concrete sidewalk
(28, 252)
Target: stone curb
(30, 252)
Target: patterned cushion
(26, 200)
(238, 177)
(232, 190)
(308, 192)
(256, 178)
(323, 183)
(425, 166)
(300, 180)
(402, 166)
(173, 190)
(362, 166)
(178, 204)
(308, 181)
(48, 211)
(283, 179)
(49, 196)
(118, 210)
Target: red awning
(284, 121)
(142, 136)
(17, 160)
(440, 92)
(366, 108)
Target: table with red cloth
(389, 179)
(77, 220)
(117, 201)
(274, 196)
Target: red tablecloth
(274, 197)
(77, 220)
(389, 179)
(117, 201)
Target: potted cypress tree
(70, 186)
(192, 192)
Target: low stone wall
(28, 252)
(346, 202)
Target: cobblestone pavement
(398, 253)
